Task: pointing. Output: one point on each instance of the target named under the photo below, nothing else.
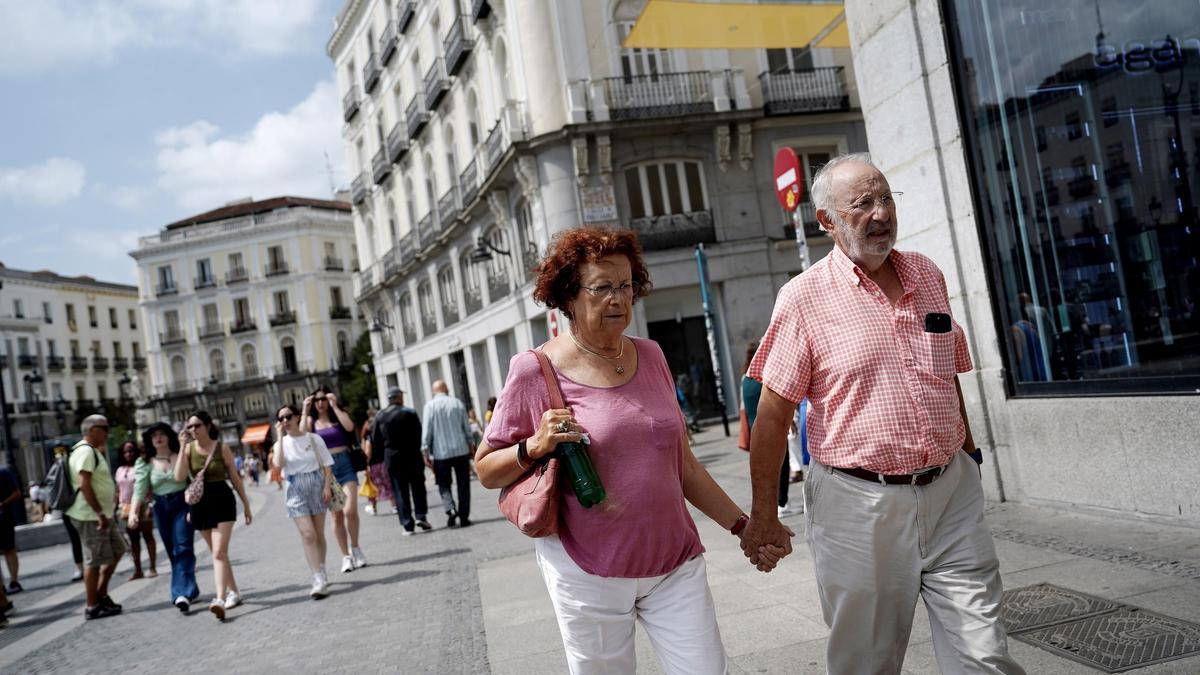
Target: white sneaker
(787, 509)
(369, 509)
(347, 564)
(407, 533)
(360, 560)
(320, 587)
(217, 607)
(232, 599)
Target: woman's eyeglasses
(285, 418)
(628, 288)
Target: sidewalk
(771, 623)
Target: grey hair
(822, 188)
(91, 421)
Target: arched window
(369, 237)
(497, 267)
(410, 204)
(472, 296)
(391, 215)
(408, 320)
(216, 365)
(473, 129)
(343, 348)
(526, 237)
(451, 159)
(449, 292)
(287, 354)
(503, 73)
(249, 361)
(179, 376)
(425, 305)
(430, 184)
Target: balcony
(508, 129)
(350, 104)
(242, 326)
(1118, 173)
(429, 323)
(166, 289)
(457, 45)
(359, 188)
(807, 90)
(55, 363)
(236, 275)
(212, 330)
(448, 207)
(450, 313)
(437, 84)
(529, 259)
(371, 72)
(120, 363)
(498, 286)
(472, 301)
(397, 143)
(139, 363)
(79, 363)
(334, 264)
(406, 248)
(172, 336)
(381, 168)
(275, 268)
(675, 230)
(201, 283)
(468, 183)
(391, 264)
(368, 281)
(283, 318)
(417, 117)
(26, 361)
(480, 10)
(387, 43)
(178, 386)
(405, 12)
(659, 95)
(340, 313)
(426, 231)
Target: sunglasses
(319, 398)
(101, 426)
(193, 426)
(286, 418)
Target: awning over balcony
(255, 434)
(676, 24)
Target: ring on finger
(564, 426)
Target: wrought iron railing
(26, 361)
(472, 300)
(166, 289)
(209, 330)
(406, 248)
(397, 142)
(659, 95)
(358, 189)
(340, 313)
(426, 230)
(410, 333)
(468, 182)
(806, 90)
(139, 363)
(498, 284)
(55, 363)
(333, 264)
(675, 230)
(283, 318)
(120, 363)
(388, 42)
(371, 72)
(448, 207)
(458, 44)
(171, 336)
(350, 104)
(242, 326)
(417, 116)
(381, 168)
(79, 363)
(99, 363)
(204, 282)
(236, 275)
(405, 12)
(450, 313)
(275, 268)
(437, 84)
(429, 323)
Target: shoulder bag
(195, 490)
(532, 501)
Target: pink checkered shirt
(881, 389)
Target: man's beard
(857, 247)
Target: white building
(509, 120)
(246, 307)
(66, 344)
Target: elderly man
(92, 515)
(894, 501)
(396, 433)
(448, 445)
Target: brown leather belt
(921, 478)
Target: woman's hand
(132, 521)
(246, 510)
(326, 493)
(332, 398)
(557, 426)
(185, 437)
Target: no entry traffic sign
(788, 179)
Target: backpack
(58, 483)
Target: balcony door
(638, 62)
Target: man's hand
(766, 541)
(428, 461)
(103, 522)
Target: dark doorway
(685, 345)
(458, 366)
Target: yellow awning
(255, 434)
(676, 24)
(839, 36)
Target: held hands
(557, 426)
(766, 541)
(132, 522)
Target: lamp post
(123, 385)
(6, 437)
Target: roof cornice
(346, 18)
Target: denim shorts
(304, 494)
(343, 468)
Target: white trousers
(596, 616)
(878, 548)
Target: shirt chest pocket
(935, 353)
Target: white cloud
(50, 183)
(285, 153)
(50, 34)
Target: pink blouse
(125, 480)
(642, 528)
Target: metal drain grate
(1118, 641)
(1044, 605)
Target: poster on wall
(599, 204)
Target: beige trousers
(878, 548)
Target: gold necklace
(619, 368)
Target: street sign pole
(789, 189)
(801, 238)
(710, 328)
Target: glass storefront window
(1083, 127)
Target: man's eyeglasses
(866, 204)
(286, 418)
(101, 426)
(628, 288)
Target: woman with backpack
(306, 462)
(155, 475)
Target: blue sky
(120, 117)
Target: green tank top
(216, 468)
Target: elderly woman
(637, 554)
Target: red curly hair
(556, 279)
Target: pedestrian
(213, 516)
(397, 433)
(276, 476)
(751, 391)
(323, 416)
(144, 529)
(306, 462)
(491, 410)
(377, 468)
(6, 606)
(58, 472)
(448, 446)
(251, 465)
(895, 504)
(476, 428)
(11, 499)
(155, 476)
(239, 463)
(636, 555)
(92, 515)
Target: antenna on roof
(329, 171)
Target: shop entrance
(685, 345)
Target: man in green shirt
(92, 515)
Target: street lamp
(7, 434)
(484, 249)
(31, 393)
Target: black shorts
(216, 506)
(8, 533)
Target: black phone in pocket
(937, 322)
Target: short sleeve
(521, 403)
(783, 361)
(141, 485)
(325, 459)
(87, 460)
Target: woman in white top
(305, 462)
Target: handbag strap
(215, 450)
(556, 397)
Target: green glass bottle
(582, 472)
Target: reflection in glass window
(1084, 155)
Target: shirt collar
(855, 274)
